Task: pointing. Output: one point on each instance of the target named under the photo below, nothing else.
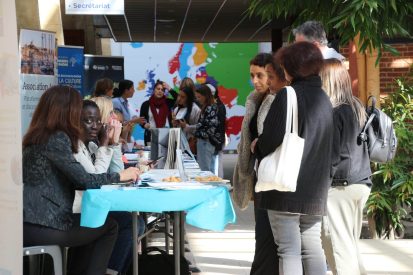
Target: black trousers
(90, 248)
(266, 258)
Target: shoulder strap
(292, 111)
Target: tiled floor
(232, 251)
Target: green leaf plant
(373, 20)
(392, 191)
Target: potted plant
(392, 192)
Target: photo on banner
(37, 70)
(70, 66)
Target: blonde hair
(337, 84)
(105, 106)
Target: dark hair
(89, 103)
(301, 59)
(123, 86)
(313, 31)
(190, 98)
(206, 92)
(158, 82)
(102, 86)
(261, 59)
(59, 109)
(275, 64)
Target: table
(206, 208)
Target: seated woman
(108, 117)
(157, 110)
(50, 176)
(92, 125)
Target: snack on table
(172, 179)
(211, 178)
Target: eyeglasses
(92, 121)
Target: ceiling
(184, 21)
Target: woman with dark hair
(295, 217)
(222, 117)
(207, 128)
(95, 156)
(50, 176)
(103, 87)
(157, 110)
(244, 178)
(351, 173)
(186, 112)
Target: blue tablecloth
(206, 208)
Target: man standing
(313, 31)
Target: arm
(103, 157)
(59, 152)
(116, 163)
(274, 126)
(337, 141)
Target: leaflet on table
(179, 185)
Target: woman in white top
(186, 112)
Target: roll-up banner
(98, 66)
(11, 185)
(70, 66)
(37, 70)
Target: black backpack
(379, 134)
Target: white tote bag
(279, 170)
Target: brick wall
(391, 66)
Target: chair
(53, 250)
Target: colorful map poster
(224, 64)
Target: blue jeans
(121, 256)
(298, 238)
(205, 153)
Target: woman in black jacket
(50, 177)
(157, 110)
(351, 174)
(295, 217)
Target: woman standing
(207, 128)
(351, 174)
(295, 217)
(186, 112)
(157, 110)
(50, 176)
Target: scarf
(162, 114)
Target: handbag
(192, 144)
(160, 263)
(379, 134)
(279, 170)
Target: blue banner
(70, 66)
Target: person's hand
(253, 143)
(130, 174)
(104, 135)
(147, 126)
(138, 120)
(182, 123)
(117, 130)
(166, 86)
